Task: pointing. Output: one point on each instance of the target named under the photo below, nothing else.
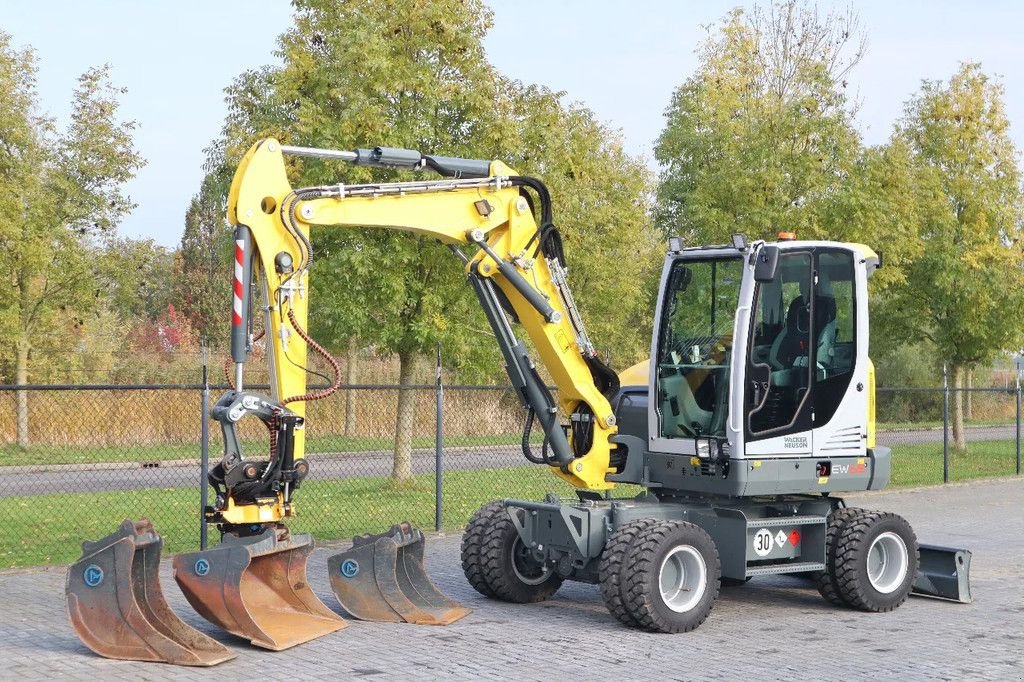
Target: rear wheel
(826, 580)
(671, 577)
(876, 561)
(508, 566)
(610, 568)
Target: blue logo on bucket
(93, 575)
(349, 568)
(202, 567)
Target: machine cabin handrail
(487, 210)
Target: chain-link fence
(75, 460)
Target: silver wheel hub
(527, 570)
(683, 578)
(888, 562)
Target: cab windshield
(695, 346)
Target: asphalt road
(772, 628)
(338, 466)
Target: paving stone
(771, 628)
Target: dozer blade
(382, 578)
(118, 610)
(255, 587)
(945, 573)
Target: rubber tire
(852, 545)
(472, 542)
(826, 580)
(610, 567)
(640, 574)
(495, 561)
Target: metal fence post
(204, 449)
(945, 425)
(438, 442)
(1018, 425)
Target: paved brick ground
(771, 628)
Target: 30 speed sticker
(763, 542)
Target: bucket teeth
(118, 610)
(255, 587)
(382, 578)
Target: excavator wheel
(610, 568)
(504, 564)
(826, 580)
(671, 577)
(876, 561)
(472, 541)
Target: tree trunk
(401, 469)
(959, 437)
(21, 378)
(350, 395)
(969, 396)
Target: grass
(921, 464)
(49, 529)
(937, 424)
(11, 455)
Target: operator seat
(790, 349)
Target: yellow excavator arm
(516, 271)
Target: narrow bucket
(255, 587)
(118, 610)
(945, 573)
(382, 578)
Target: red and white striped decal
(236, 315)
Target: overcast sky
(622, 59)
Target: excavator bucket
(118, 610)
(382, 578)
(255, 587)
(945, 573)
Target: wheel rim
(683, 578)
(888, 560)
(527, 570)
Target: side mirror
(766, 266)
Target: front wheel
(671, 577)
(502, 563)
(876, 561)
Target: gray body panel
(571, 535)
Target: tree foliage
(412, 74)
(965, 284)
(756, 140)
(202, 264)
(62, 192)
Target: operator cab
(761, 351)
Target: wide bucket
(255, 587)
(382, 578)
(944, 573)
(118, 610)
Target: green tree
(967, 282)
(413, 74)
(202, 268)
(138, 277)
(62, 191)
(759, 136)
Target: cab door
(779, 391)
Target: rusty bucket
(255, 587)
(118, 610)
(382, 578)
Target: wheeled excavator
(755, 410)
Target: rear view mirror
(767, 264)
